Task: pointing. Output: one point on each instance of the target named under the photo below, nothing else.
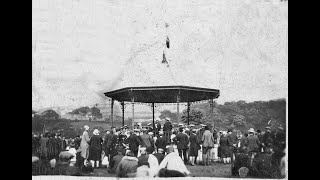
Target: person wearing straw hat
(95, 149)
(84, 144)
(167, 128)
(252, 141)
(150, 129)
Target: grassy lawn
(214, 170)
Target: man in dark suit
(167, 128)
(106, 145)
(158, 126)
(267, 139)
(161, 142)
(134, 143)
(182, 144)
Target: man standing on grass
(207, 143)
(182, 144)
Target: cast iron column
(178, 112)
(122, 105)
(188, 110)
(153, 119)
(132, 100)
(112, 102)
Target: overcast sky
(82, 48)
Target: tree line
(236, 115)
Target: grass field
(214, 170)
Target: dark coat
(53, 147)
(182, 141)
(194, 145)
(43, 147)
(252, 143)
(159, 156)
(232, 138)
(224, 147)
(134, 142)
(143, 159)
(115, 162)
(127, 166)
(158, 126)
(95, 148)
(77, 142)
(167, 126)
(112, 142)
(106, 144)
(107, 139)
(262, 166)
(242, 160)
(267, 138)
(161, 143)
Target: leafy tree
(238, 120)
(96, 113)
(196, 116)
(50, 115)
(169, 114)
(81, 111)
(93, 112)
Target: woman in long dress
(95, 149)
(84, 145)
(224, 148)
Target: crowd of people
(165, 150)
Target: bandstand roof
(163, 94)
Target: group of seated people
(148, 164)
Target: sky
(82, 48)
